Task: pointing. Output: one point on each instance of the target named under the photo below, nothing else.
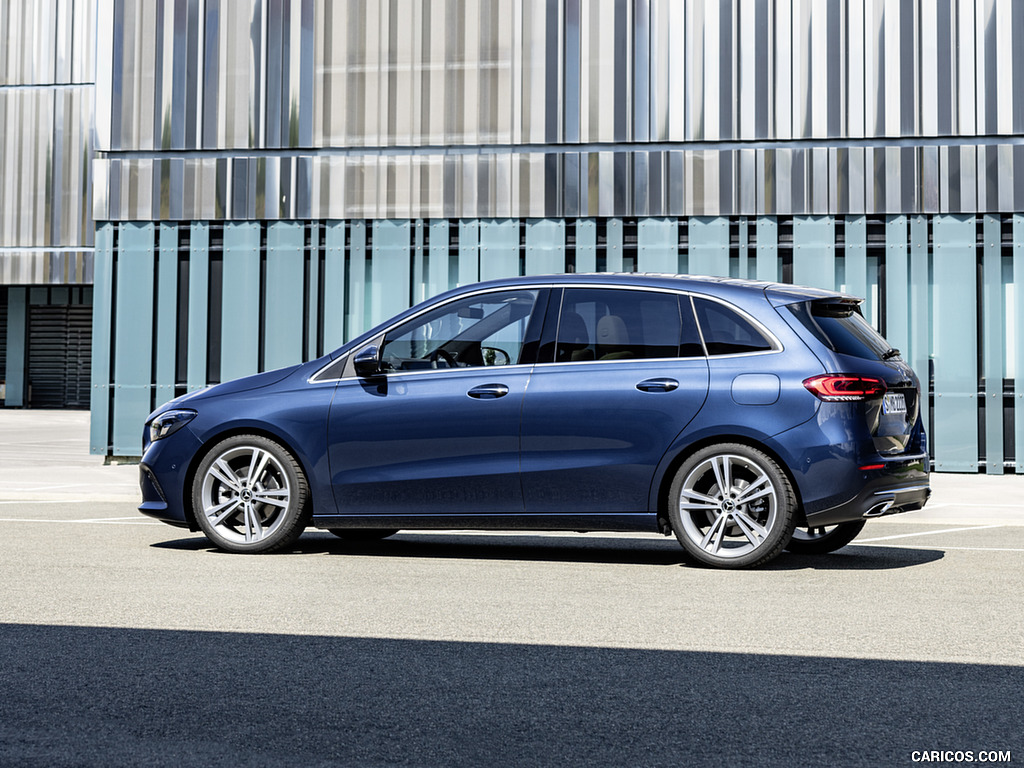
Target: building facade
(274, 177)
(47, 87)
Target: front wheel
(732, 506)
(819, 540)
(250, 495)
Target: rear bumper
(901, 486)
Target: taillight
(835, 388)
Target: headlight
(169, 422)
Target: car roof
(777, 293)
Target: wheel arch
(210, 441)
(668, 473)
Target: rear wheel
(821, 539)
(363, 534)
(731, 506)
(250, 495)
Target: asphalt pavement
(127, 642)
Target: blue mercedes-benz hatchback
(743, 417)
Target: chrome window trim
(434, 371)
(777, 346)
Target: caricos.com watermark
(960, 756)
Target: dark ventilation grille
(59, 355)
(3, 336)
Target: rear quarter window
(726, 332)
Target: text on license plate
(894, 402)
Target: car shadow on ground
(574, 548)
(107, 696)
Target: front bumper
(162, 478)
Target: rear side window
(726, 332)
(843, 329)
(612, 324)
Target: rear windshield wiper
(891, 354)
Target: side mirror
(367, 362)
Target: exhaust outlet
(880, 508)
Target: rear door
(621, 374)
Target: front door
(438, 432)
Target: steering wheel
(444, 355)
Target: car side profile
(742, 417)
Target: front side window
(726, 332)
(611, 324)
(482, 330)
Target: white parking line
(46, 501)
(943, 504)
(107, 521)
(128, 488)
(931, 533)
(942, 547)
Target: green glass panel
(855, 259)
(709, 246)
(1018, 340)
(657, 246)
(133, 336)
(814, 251)
(334, 286)
(897, 283)
(586, 245)
(992, 349)
(358, 319)
(545, 247)
(919, 352)
(392, 269)
(198, 303)
(166, 313)
(312, 309)
(767, 249)
(469, 252)
(954, 344)
(240, 303)
(613, 251)
(499, 248)
(282, 336)
(99, 406)
(438, 259)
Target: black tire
(724, 528)
(363, 534)
(821, 540)
(250, 495)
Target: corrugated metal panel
(542, 183)
(365, 100)
(249, 74)
(46, 147)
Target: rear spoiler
(780, 294)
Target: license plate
(894, 402)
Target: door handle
(657, 385)
(488, 391)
